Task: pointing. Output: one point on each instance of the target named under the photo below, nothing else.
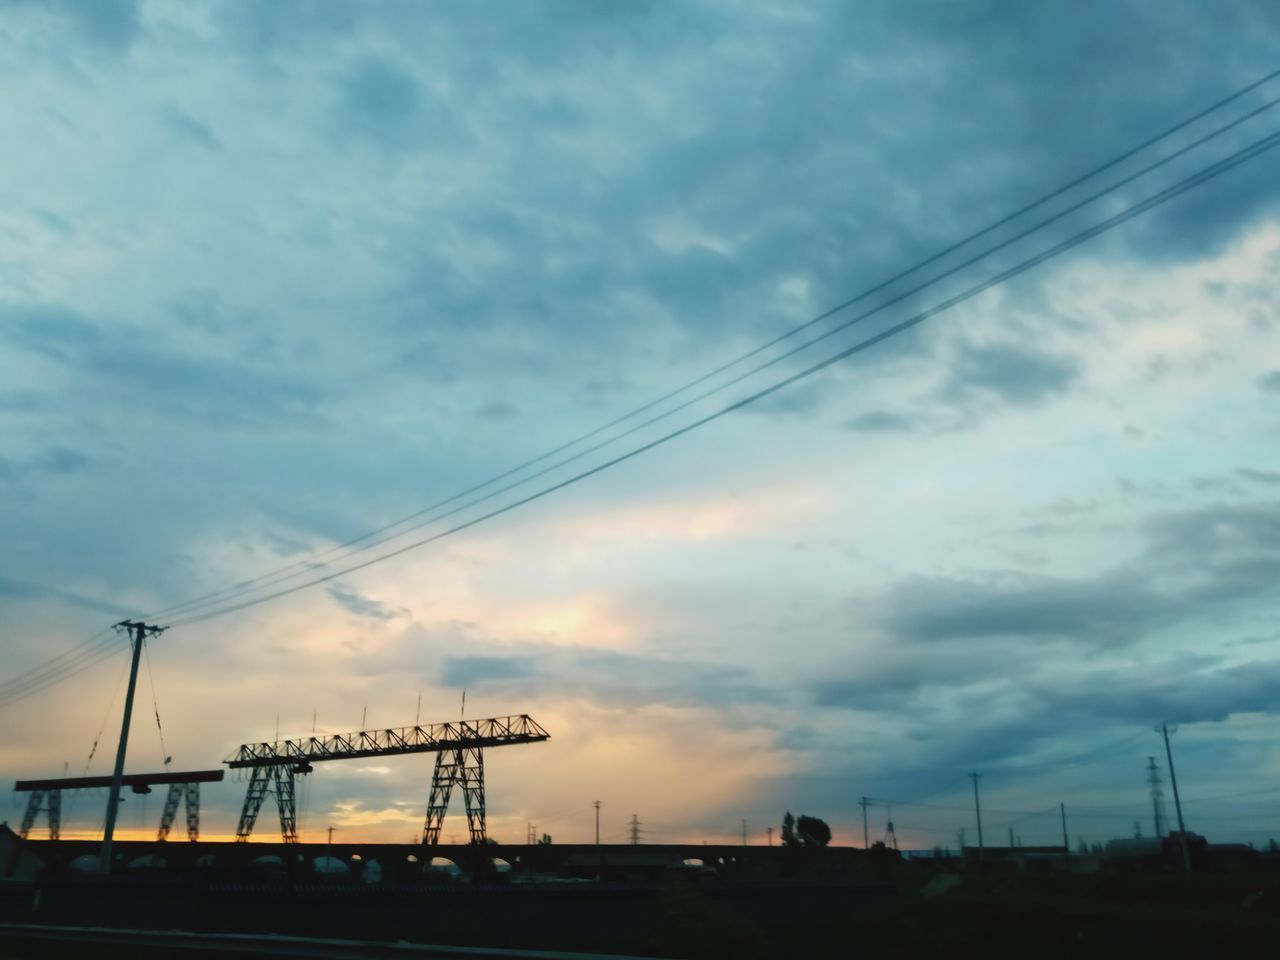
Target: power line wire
(858, 318)
(1195, 180)
(292, 570)
(80, 658)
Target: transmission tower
(1157, 796)
(635, 830)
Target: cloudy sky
(276, 275)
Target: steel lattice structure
(458, 746)
(46, 797)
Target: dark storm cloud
(178, 382)
(1216, 554)
(1037, 733)
(187, 126)
(882, 421)
(1267, 477)
(1197, 563)
(384, 103)
(1016, 374)
(361, 606)
(607, 676)
(25, 590)
(57, 461)
(1182, 695)
(111, 24)
(1106, 609)
(476, 671)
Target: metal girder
(134, 780)
(466, 769)
(432, 738)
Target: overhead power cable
(88, 654)
(698, 398)
(290, 570)
(103, 650)
(1197, 179)
(55, 663)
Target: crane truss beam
(431, 738)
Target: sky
(273, 276)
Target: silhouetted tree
(789, 838)
(813, 832)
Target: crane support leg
(442, 781)
(33, 810)
(171, 802)
(259, 781)
(55, 814)
(286, 801)
(193, 812)
(463, 767)
(472, 779)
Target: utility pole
(1066, 844)
(1177, 804)
(769, 830)
(866, 842)
(1157, 796)
(635, 830)
(1011, 843)
(744, 833)
(977, 809)
(596, 804)
(138, 632)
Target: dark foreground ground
(943, 915)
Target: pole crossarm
(130, 780)
(428, 738)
